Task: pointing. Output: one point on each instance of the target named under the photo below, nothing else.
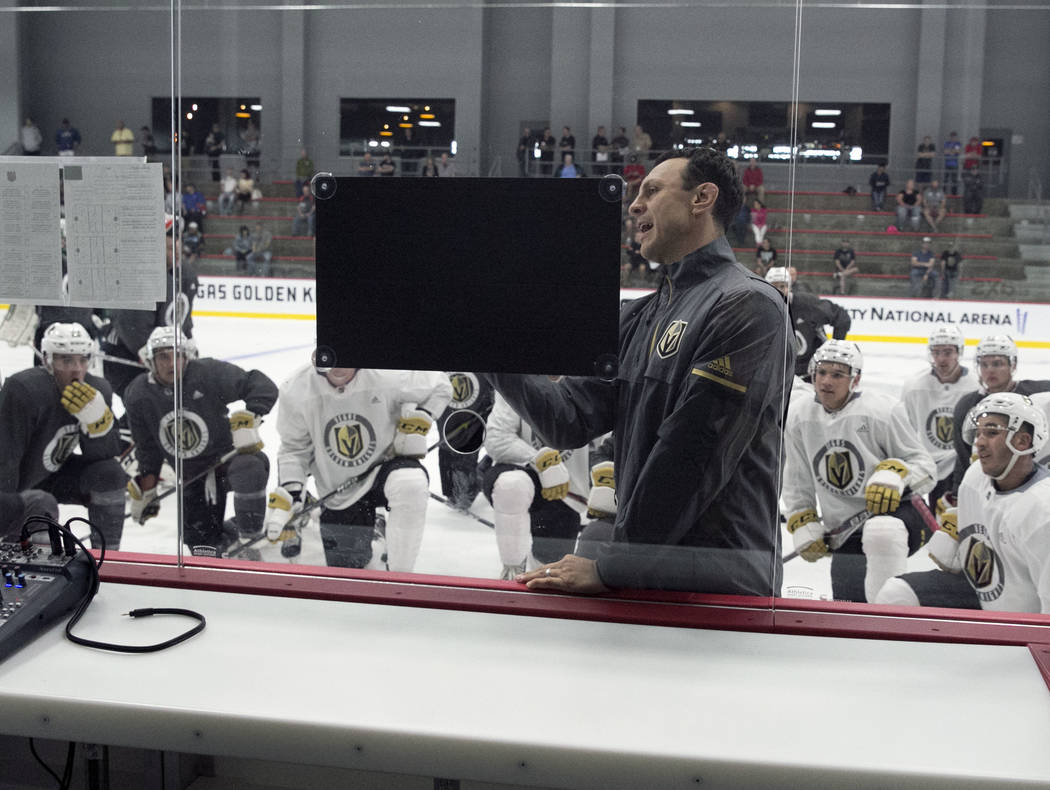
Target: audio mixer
(40, 585)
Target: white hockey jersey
(831, 456)
(930, 406)
(337, 433)
(510, 440)
(1004, 541)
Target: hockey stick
(846, 528)
(444, 501)
(223, 459)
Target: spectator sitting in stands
(633, 173)
(753, 181)
(951, 259)
(909, 205)
(192, 243)
(194, 206)
(261, 254)
(880, 181)
(386, 166)
(227, 192)
(305, 213)
(366, 167)
(637, 267)
(568, 169)
(973, 190)
(934, 204)
(245, 190)
(765, 256)
(758, 220)
(845, 266)
(446, 166)
(741, 225)
(242, 247)
(430, 169)
(924, 271)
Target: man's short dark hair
(709, 165)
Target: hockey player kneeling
(527, 485)
(203, 434)
(849, 452)
(360, 433)
(48, 413)
(994, 549)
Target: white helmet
(1018, 410)
(778, 274)
(844, 352)
(998, 346)
(164, 337)
(65, 339)
(947, 335)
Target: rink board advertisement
(874, 320)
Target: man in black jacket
(809, 315)
(697, 406)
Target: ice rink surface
(455, 544)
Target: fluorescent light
(398, 108)
(453, 147)
(823, 124)
(827, 112)
(194, 108)
(385, 143)
(749, 149)
(405, 125)
(242, 114)
(427, 116)
(189, 116)
(856, 153)
(695, 140)
(385, 133)
(680, 112)
(689, 123)
(428, 123)
(373, 143)
(782, 149)
(257, 107)
(733, 152)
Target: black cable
(96, 581)
(67, 772)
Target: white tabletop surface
(534, 701)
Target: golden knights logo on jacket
(349, 440)
(465, 389)
(671, 340)
(61, 446)
(981, 565)
(839, 468)
(187, 436)
(940, 427)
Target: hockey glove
(89, 407)
(554, 477)
(142, 491)
(946, 502)
(282, 507)
(245, 428)
(883, 492)
(601, 502)
(808, 533)
(944, 544)
(410, 441)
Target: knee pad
(105, 475)
(513, 492)
(897, 592)
(884, 536)
(40, 503)
(248, 473)
(406, 487)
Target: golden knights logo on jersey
(671, 340)
(839, 468)
(981, 565)
(187, 435)
(465, 390)
(61, 446)
(940, 428)
(349, 440)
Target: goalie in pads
(849, 451)
(365, 425)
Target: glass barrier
(889, 179)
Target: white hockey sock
(513, 536)
(407, 497)
(897, 592)
(885, 544)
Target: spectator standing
(741, 225)
(547, 144)
(410, 153)
(67, 139)
(305, 214)
(642, 142)
(31, 138)
(386, 166)
(720, 143)
(446, 166)
(262, 253)
(620, 146)
(146, 141)
(758, 220)
(633, 173)
(567, 143)
(600, 152)
(973, 153)
(304, 171)
(934, 205)
(952, 149)
(123, 140)
(973, 190)
(250, 136)
(923, 275)
(951, 259)
(754, 182)
(845, 266)
(909, 205)
(366, 167)
(880, 182)
(924, 160)
(765, 258)
(524, 153)
(214, 147)
(430, 169)
(227, 192)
